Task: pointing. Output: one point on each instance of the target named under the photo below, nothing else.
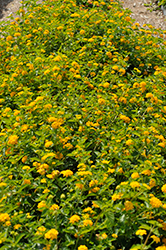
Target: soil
(8, 7)
(146, 15)
(141, 14)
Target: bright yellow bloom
(12, 139)
(54, 207)
(155, 238)
(145, 185)
(7, 223)
(149, 95)
(46, 32)
(26, 167)
(80, 186)
(9, 38)
(124, 183)
(46, 191)
(88, 209)
(47, 155)
(146, 172)
(101, 101)
(141, 232)
(115, 67)
(114, 235)
(26, 181)
(51, 234)
(104, 236)
(162, 144)
(17, 34)
(24, 159)
(84, 173)
(52, 119)
(161, 248)
(57, 123)
(60, 28)
(4, 217)
(42, 229)
(48, 106)
(82, 247)
(128, 205)
(43, 180)
(125, 118)
(116, 196)
(82, 32)
(93, 183)
(152, 183)
(17, 226)
(135, 175)
(3, 184)
(87, 223)
(155, 202)
(164, 206)
(128, 19)
(106, 85)
(163, 188)
(111, 170)
(74, 218)
(129, 142)
(135, 184)
(48, 144)
(41, 204)
(67, 173)
(95, 205)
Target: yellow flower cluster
(155, 202)
(141, 232)
(51, 234)
(116, 196)
(74, 218)
(163, 188)
(4, 217)
(41, 204)
(13, 140)
(54, 207)
(67, 173)
(82, 247)
(87, 223)
(161, 248)
(125, 118)
(128, 205)
(135, 184)
(82, 127)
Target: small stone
(134, 4)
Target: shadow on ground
(3, 6)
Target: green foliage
(162, 2)
(83, 112)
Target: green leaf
(145, 226)
(155, 223)
(136, 247)
(18, 238)
(109, 217)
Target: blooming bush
(83, 114)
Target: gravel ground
(8, 7)
(146, 15)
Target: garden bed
(83, 111)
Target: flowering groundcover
(82, 140)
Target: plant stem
(148, 237)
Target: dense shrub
(83, 115)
